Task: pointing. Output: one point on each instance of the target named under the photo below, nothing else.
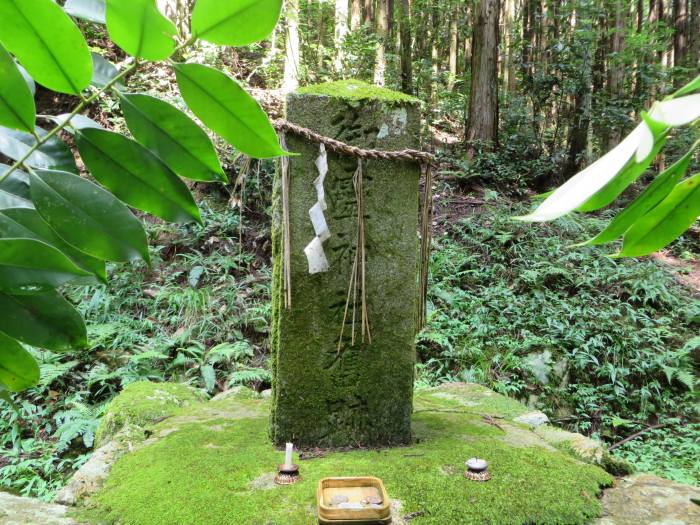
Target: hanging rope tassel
(425, 242)
(358, 280)
(286, 249)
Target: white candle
(288, 454)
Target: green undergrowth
(211, 468)
(603, 346)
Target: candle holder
(477, 470)
(287, 474)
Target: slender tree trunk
(680, 36)
(483, 98)
(406, 51)
(578, 133)
(526, 58)
(509, 66)
(341, 30)
(355, 14)
(434, 53)
(292, 57)
(380, 64)
(368, 12)
(454, 46)
(616, 68)
(694, 33)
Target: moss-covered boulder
(141, 404)
(212, 463)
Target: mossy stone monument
(331, 390)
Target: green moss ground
(202, 469)
(141, 403)
(356, 90)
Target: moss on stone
(208, 471)
(141, 404)
(356, 90)
(362, 393)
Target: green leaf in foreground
(140, 29)
(47, 43)
(670, 218)
(226, 108)
(16, 223)
(136, 176)
(14, 189)
(17, 110)
(43, 320)
(172, 136)
(88, 217)
(90, 10)
(53, 154)
(235, 22)
(103, 71)
(28, 266)
(650, 197)
(18, 369)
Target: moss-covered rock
(141, 404)
(212, 463)
(356, 90)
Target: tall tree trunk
(434, 53)
(509, 65)
(355, 14)
(341, 30)
(406, 52)
(368, 12)
(292, 57)
(454, 46)
(616, 68)
(380, 64)
(694, 44)
(483, 97)
(680, 36)
(578, 132)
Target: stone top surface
(357, 90)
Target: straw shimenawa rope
(406, 155)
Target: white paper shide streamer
(314, 250)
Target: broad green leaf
(650, 197)
(90, 10)
(135, 175)
(47, 43)
(17, 110)
(585, 184)
(653, 138)
(691, 86)
(28, 224)
(14, 189)
(140, 29)
(18, 369)
(226, 108)
(27, 78)
(88, 217)
(665, 222)
(54, 154)
(172, 136)
(28, 266)
(103, 71)
(76, 122)
(5, 396)
(677, 111)
(44, 320)
(235, 22)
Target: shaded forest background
(519, 95)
